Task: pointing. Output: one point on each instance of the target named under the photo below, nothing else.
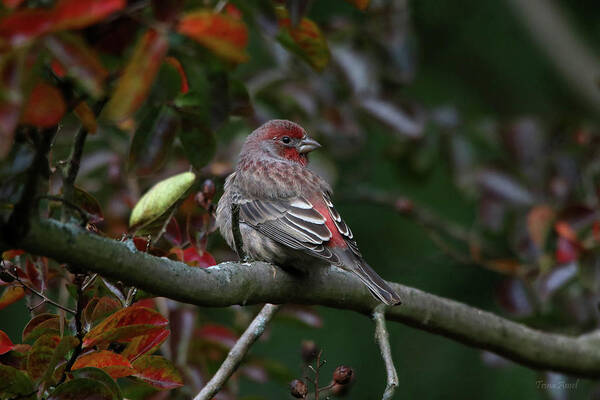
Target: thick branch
(237, 353)
(234, 283)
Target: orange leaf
(177, 65)
(307, 40)
(40, 325)
(564, 230)
(76, 59)
(158, 372)
(124, 325)
(77, 14)
(45, 107)
(5, 343)
(224, 35)
(10, 254)
(113, 364)
(145, 344)
(539, 221)
(11, 295)
(87, 117)
(504, 266)
(139, 74)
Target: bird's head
(281, 139)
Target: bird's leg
(237, 235)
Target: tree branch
(236, 283)
(238, 351)
(383, 341)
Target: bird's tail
(378, 287)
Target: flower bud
(342, 375)
(298, 389)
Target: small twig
(79, 280)
(316, 371)
(238, 351)
(235, 230)
(383, 341)
(44, 298)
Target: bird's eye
(286, 139)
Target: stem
(238, 351)
(79, 279)
(383, 341)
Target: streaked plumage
(286, 213)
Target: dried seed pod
(342, 375)
(298, 389)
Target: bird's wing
(341, 226)
(293, 222)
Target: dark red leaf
(5, 343)
(40, 325)
(158, 372)
(146, 344)
(173, 233)
(113, 364)
(77, 14)
(11, 3)
(45, 106)
(22, 26)
(566, 251)
(40, 356)
(104, 307)
(192, 256)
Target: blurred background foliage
(463, 158)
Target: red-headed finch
(285, 210)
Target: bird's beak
(307, 144)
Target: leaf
(198, 141)
(360, 4)
(45, 106)
(217, 334)
(11, 295)
(77, 14)
(192, 256)
(177, 65)
(86, 117)
(566, 251)
(82, 389)
(564, 230)
(160, 198)
(99, 375)
(104, 307)
(125, 324)
(173, 233)
(113, 364)
(33, 275)
(14, 383)
(146, 344)
(306, 39)
(5, 343)
(11, 3)
(140, 72)
(504, 266)
(22, 26)
(158, 372)
(40, 325)
(539, 222)
(11, 99)
(66, 344)
(89, 204)
(40, 356)
(79, 61)
(223, 34)
(152, 141)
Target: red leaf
(76, 59)
(192, 256)
(306, 40)
(33, 274)
(217, 334)
(177, 65)
(158, 372)
(539, 222)
(77, 14)
(566, 251)
(126, 324)
(139, 74)
(173, 233)
(45, 107)
(10, 254)
(145, 344)
(113, 364)
(104, 307)
(224, 35)
(5, 343)
(11, 295)
(40, 356)
(25, 25)
(11, 3)
(564, 230)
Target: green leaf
(82, 389)
(40, 356)
(66, 344)
(14, 383)
(98, 375)
(199, 143)
(153, 140)
(160, 198)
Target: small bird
(286, 216)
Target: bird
(286, 215)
